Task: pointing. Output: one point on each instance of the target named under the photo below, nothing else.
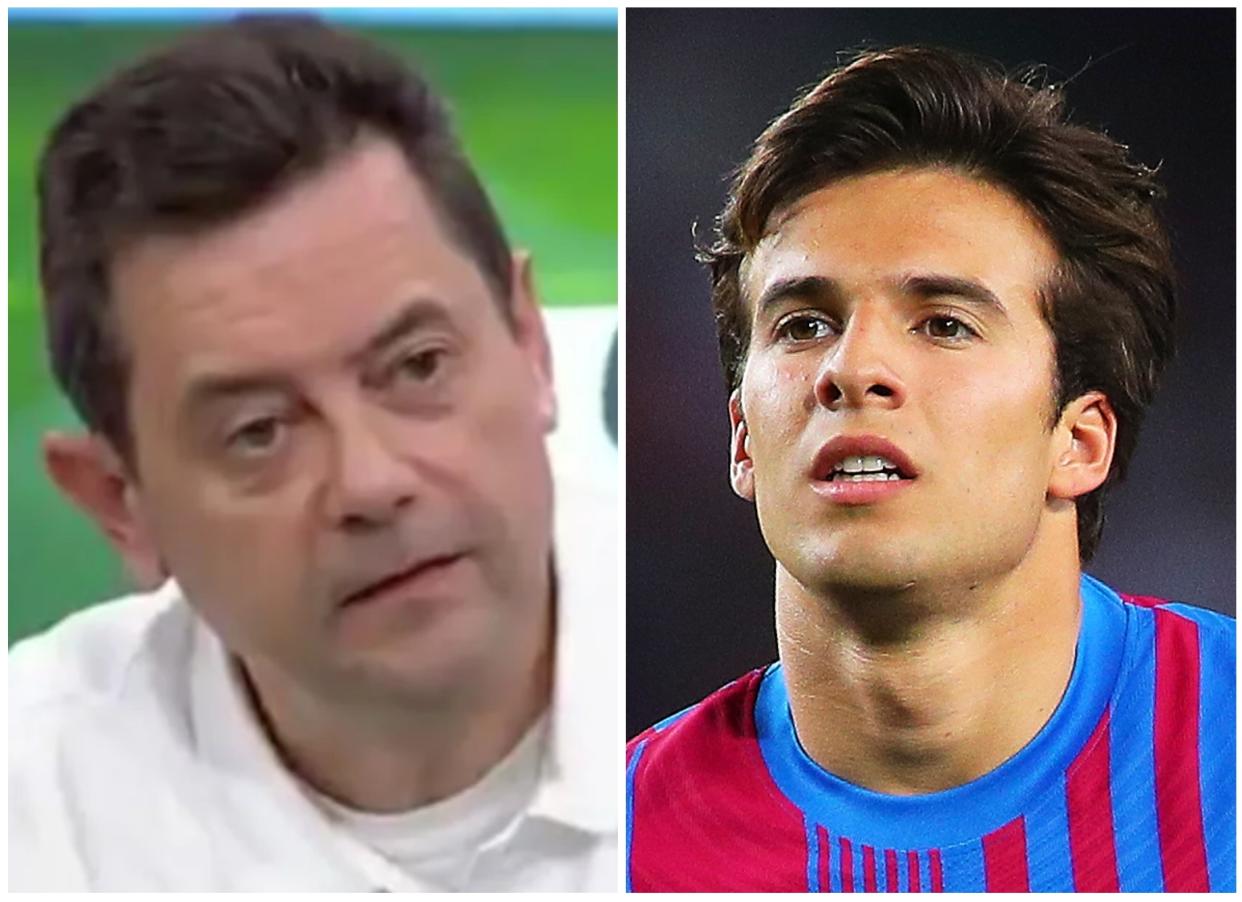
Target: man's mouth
(424, 568)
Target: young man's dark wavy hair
(204, 132)
(1111, 301)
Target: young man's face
(900, 307)
(339, 440)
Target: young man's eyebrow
(926, 285)
(815, 288)
(923, 285)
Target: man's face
(896, 316)
(339, 440)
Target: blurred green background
(535, 101)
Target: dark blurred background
(700, 86)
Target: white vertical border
(622, 316)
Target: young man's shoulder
(1187, 635)
(696, 777)
(727, 713)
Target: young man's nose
(861, 369)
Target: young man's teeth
(865, 477)
(858, 466)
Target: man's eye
(949, 328)
(256, 437)
(804, 328)
(421, 366)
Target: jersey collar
(966, 812)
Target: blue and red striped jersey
(1129, 786)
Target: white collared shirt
(440, 844)
(135, 762)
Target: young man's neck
(934, 691)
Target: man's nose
(374, 477)
(861, 370)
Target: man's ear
(531, 334)
(92, 476)
(741, 467)
(1085, 439)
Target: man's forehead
(313, 271)
(368, 187)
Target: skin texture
(383, 413)
(940, 622)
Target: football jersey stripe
(1004, 858)
(891, 882)
(833, 883)
(1093, 850)
(629, 808)
(1178, 809)
(936, 867)
(1131, 744)
(962, 865)
(903, 872)
(1217, 747)
(825, 875)
(812, 857)
(847, 866)
(868, 868)
(912, 869)
(672, 719)
(1048, 844)
(1142, 601)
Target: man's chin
(440, 660)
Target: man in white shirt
(318, 387)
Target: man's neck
(926, 688)
(396, 757)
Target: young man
(318, 388)
(942, 312)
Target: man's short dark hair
(205, 131)
(1110, 303)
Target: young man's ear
(741, 467)
(531, 334)
(1085, 439)
(92, 476)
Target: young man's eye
(948, 328)
(804, 328)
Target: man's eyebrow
(938, 284)
(816, 288)
(210, 388)
(416, 314)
